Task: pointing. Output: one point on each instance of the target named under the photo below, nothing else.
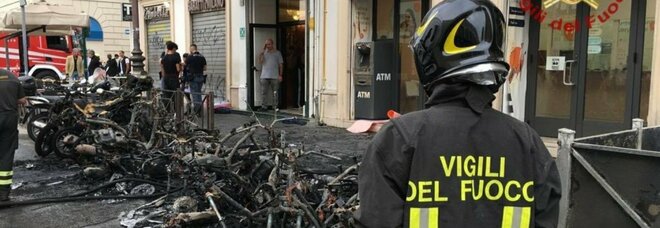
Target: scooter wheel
(32, 130)
(59, 147)
(42, 145)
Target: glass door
(583, 79)
(609, 71)
(258, 36)
(551, 72)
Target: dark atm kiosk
(374, 81)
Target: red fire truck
(46, 55)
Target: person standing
(93, 62)
(11, 95)
(124, 64)
(459, 162)
(74, 65)
(170, 65)
(111, 67)
(185, 77)
(271, 74)
(196, 64)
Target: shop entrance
(283, 21)
(589, 76)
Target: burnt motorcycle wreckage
(67, 115)
(249, 177)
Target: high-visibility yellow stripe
(5, 182)
(507, 217)
(433, 217)
(6, 173)
(525, 217)
(414, 217)
(421, 29)
(450, 43)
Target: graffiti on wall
(209, 35)
(158, 34)
(156, 40)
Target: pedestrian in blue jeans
(196, 66)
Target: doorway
(586, 79)
(283, 21)
(292, 37)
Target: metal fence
(181, 104)
(610, 180)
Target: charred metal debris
(197, 177)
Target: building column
(181, 31)
(237, 75)
(654, 99)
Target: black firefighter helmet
(461, 41)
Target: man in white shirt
(271, 74)
(124, 64)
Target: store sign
(595, 32)
(594, 49)
(242, 33)
(516, 22)
(196, 6)
(127, 33)
(158, 12)
(570, 26)
(516, 11)
(126, 12)
(595, 40)
(549, 3)
(555, 63)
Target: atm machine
(374, 79)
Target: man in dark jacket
(11, 95)
(196, 64)
(111, 67)
(458, 163)
(93, 62)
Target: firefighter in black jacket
(458, 163)
(11, 95)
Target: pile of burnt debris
(133, 145)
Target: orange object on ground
(362, 126)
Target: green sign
(242, 33)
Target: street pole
(24, 37)
(137, 60)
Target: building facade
(581, 66)
(109, 33)
(186, 22)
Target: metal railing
(182, 105)
(610, 180)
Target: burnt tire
(59, 147)
(42, 144)
(33, 131)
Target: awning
(41, 14)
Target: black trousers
(170, 84)
(8, 146)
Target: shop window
(56, 43)
(411, 95)
(95, 30)
(385, 19)
(291, 10)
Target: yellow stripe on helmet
(450, 42)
